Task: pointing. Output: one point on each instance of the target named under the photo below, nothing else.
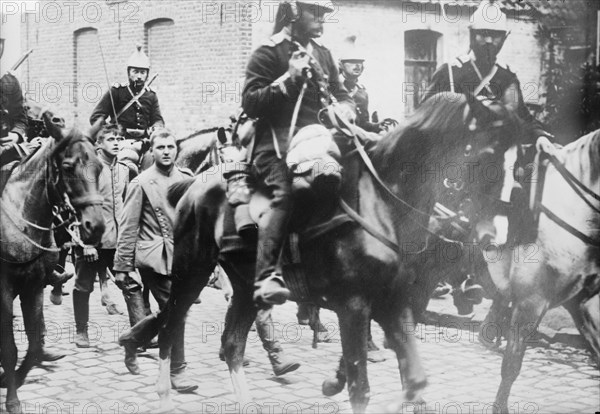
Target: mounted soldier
(135, 106)
(287, 83)
(479, 73)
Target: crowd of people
(289, 79)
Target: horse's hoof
(113, 310)
(14, 407)
(375, 356)
(331, 387)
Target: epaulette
(276, 39)
(119, 85)
(186, 171)
(152, 89)
(504, 66)
(460, 60)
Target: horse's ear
(222, 136)
(95, 129)
(54, 125)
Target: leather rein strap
(578, 187)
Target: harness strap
(351, 130)
(583, 237)
(574, 182)
(368, 227)
(89, 200)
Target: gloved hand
(90, 254)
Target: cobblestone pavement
(463, 376)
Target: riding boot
(81, 310)
(179, 382)
(269, 285)
(135, 306)
(266, 331)
(138, 335)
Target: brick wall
(199, 53)
(200, 50)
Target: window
(88, 75)
(420, 51)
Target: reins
(351, 131)
(546, 149)
(70, 223)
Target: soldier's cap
(349, 51)
(138, 59)
(489, 16)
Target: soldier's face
(486, 44)
(164, 151)
(138, 76)
(111, 143)
(352, 68)
(310, 22)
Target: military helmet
(138, 59)
(349, 51)
(489, 16)
(326, 5)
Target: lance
(112, 101)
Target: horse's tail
(178, 189)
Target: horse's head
(74, 174)
(476, 159)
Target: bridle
(64, 213)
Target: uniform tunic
(146, 225)
(503, 86)
(143, 114)
(270, 94)
(11, 100)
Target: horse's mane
(582, 157)
(73, 136)
(438, 117)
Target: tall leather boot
(138, 335)
(266, 331)
(269, 285)
(135, 306)
(81, 310)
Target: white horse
(562, 266)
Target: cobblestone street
(463, 376)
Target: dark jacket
(503, 86)
(270, 95)
(141, 115)
(11, 98)
(361, 98)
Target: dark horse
(560, 266)
(350, 271)
(62, 175)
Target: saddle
(315, 161)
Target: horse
(60, 176)
(558, 266)
(358, 272)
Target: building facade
(200, 49)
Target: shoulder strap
(484, 81)
(451, 77)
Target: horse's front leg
(32, 306)
(354, 319)
(185, 288)
(333, 386)
(399, 326)
(238, 320)
(494, 327)
(526, 317)
(8, 349)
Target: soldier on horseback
(287, 83)
(139, 106)
(480, 74)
